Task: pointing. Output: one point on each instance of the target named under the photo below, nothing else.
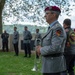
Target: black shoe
(37, 57)
(3, 50)
(25, 56)
(15, 55)
(7, 51)
(29, 56)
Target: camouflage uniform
(70, 50)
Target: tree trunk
(2, 2)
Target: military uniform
(37, 40)
(37, 37)
(16, 42)
(26, 40)
(70, 50)
(53, 43)
(52, 50)
(5, 37)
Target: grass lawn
(16, 65)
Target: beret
(53, 8)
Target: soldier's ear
(54, 14)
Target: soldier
(16, 41)
(70, 46)
(27, 36)
(5, 37)
(37, 38)
(53, 43)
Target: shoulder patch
(72, 37)
(58, 32)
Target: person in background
(27, 36)
(37, 40)
(5, 37)
(69, 46)
(16, 41)
(53, 43)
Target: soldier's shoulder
(17, 31)
(57, 26)
(58, 29)
(29, 32)
(7, 33)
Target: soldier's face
(65, 26)
(14, 29)
(49, 16)
(37, 31)
(25, 28)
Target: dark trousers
(37, 56)
(27, 49)
(16, 48)
(5, 45)
(70, 59)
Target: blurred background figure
(37, 42)
(16, 41)
(5, 37)
(37, 38)
(70, 46)
(27, 36)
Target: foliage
(16, 65)
(31, 10)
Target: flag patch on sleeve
(58, 32)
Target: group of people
(27, 36)
(57, 46)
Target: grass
(16, 65)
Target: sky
(61, 17)
(72, 17)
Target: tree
(2, 2)
(32, 10)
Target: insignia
(58, 32)
(72, 37)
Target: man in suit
(69, 46)
(16, 41)
(5, 37)
(53, 43)
(27, 36)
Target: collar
(53, 23)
